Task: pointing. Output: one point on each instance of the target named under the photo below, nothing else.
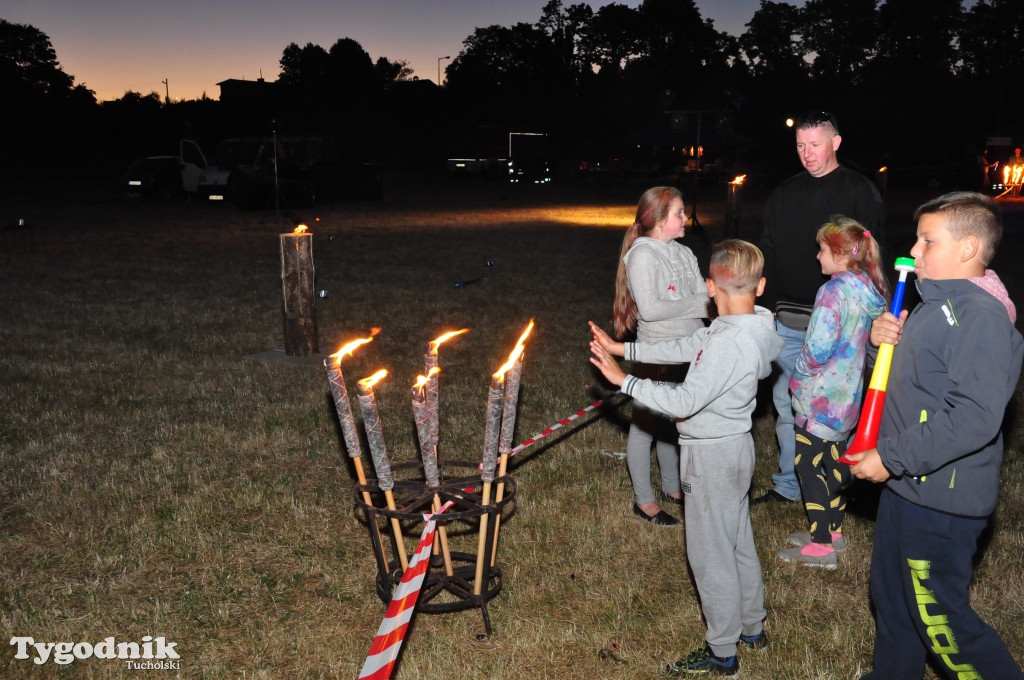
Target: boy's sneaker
(753, 643)
(704, 662)
(812, 555)
(800, 540)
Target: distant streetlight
(439, 69)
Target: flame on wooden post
(379, 453)
(428, 446)
(428, 452)
(340, 393)
(349, 348)
(508, 420)
(499, 404)
(374, 433)
(491, 432)
(368, 383)
(1013, 175)
(431, 397)
(739, 179)
(300, 229)
(347, 421)
(436, 342)
(496, 405)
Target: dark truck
(272, 172)
(528, 158)
(496, 153)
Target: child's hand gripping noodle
(874, 400)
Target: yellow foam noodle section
(880, 376)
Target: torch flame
(884, 168)
(1012, 175)
(422, 380)
(517, 352)
(436, 342)
(739, 179)
(349, 348)
(301, 229)
(368, 383)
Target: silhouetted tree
(43, 111)
(28, 64)
(336, 91)
(502, 73)
(392, 71)
(771, 44)
(992, 60)
(679, 44)
(840, 37)
(916, 39)
(613, 37)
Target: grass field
(156, 480)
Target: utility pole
(439, 69)
(167, 91)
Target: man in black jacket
(792, 216)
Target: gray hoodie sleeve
(675, 351)
(705, 382)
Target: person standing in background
(792, 216)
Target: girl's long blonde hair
(846, 236)
(652, 209)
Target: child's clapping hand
(609, 367)
(603, 347)
(613, 348)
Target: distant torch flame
(349, 348)
(517, 352)
(301, 229)
(884, 168)
(436, 342)
(1013, 175)
(422, 380)
(368, 383)
(739, 179)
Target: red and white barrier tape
(562, 423)
(384, 651)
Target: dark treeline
(910, 80)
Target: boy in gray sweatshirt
(713, 410)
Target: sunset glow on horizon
(182, 50)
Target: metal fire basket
(461, 484)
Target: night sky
(113, 46)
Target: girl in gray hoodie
(659, 295)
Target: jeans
(784, 481)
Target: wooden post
(299, 295)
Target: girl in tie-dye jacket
(828, 381)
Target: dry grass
(156, 482)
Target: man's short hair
(813, 119)
(968, 213)
(736, 266)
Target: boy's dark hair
(813, 119)
(968, 213)
(736, 266)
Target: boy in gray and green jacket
(940, 448)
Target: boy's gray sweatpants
(716, 477)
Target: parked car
(259, 172)
(156, 178)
